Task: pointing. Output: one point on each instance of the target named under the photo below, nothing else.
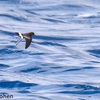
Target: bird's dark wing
(28, 42)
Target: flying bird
(26, 36)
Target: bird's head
(32, 33)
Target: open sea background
(63, 61)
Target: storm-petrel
(27, 36)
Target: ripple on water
(62, 62)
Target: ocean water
(63, 61)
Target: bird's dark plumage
(27, 36)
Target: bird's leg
(18, 41)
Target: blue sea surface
(63, 60)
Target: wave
(63, 60)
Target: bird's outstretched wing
(28, 41)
